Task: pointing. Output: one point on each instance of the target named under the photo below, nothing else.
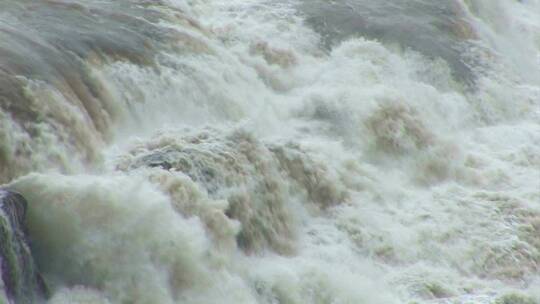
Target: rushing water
(257, 151)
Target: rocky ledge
(20, 281)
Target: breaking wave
(236, 151)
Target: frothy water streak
(276, 152)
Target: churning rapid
(259, 151)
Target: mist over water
(258, 151)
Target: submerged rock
(20, 282)
(258, 181)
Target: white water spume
(251, 166)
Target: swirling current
(272, 152)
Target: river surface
(288, 151)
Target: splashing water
(259, 151)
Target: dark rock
(157, 161)
(22, 282)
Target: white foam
(442, 184)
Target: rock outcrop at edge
(20, 281)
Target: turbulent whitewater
(258, 151)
